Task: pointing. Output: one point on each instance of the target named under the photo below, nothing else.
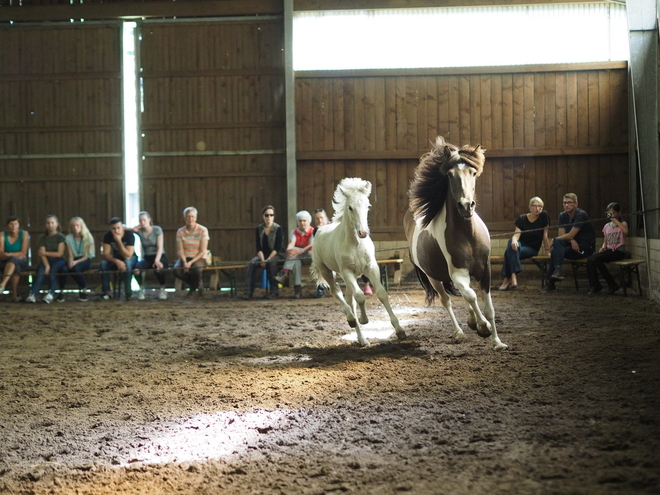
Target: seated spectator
(613, 249)
(298, 252)
(192, 244)
(118, 254)
(578, 239)
(269, 244)
(80, 252)
(14, 246)
(531, 232)
(151, 237)
(52, 245)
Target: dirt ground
(218, 395)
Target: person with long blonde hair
(80, 252)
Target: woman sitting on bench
(531, 232)
(613, 249)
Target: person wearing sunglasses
(576, 239)
(531, 232)
(269, 239)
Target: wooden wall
(213, 127)
(60, 125)
(547, 130)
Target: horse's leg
(355, 295)
(348, 309)
(374, 278)
(472, 318)
(446, 302)
(461, 279)
(489, 312)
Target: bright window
(459, 37)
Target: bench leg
(623, 281)
(576, 269)
(639, 282)
(543, 268)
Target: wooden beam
(307, 5)
(460, 71)
(140, 10)
(491, 153)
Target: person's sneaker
(612, 289)
(556, 275)
(83, 296)
(367, 290)
(129, 296)
(107, 297)
(595, 290)
(48, 298)
(141, 295)
(247, 296)
(191, 292)
(281, 277)
(31, 299)
(162, 295)
(17, 299)
(297, 294)
(60, 298)
(549, 288)
(271, 295)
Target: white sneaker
(31, 299)
(141, 294)
(48, 298)
(162, 295)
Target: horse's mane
(428, 190)
(348, 187)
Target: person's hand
(514, 245)
(47, 270)
(602, 250)
(186, 266)
(158, 265)
(575, 245)
(121, 266)
(72, 264)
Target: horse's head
(446, 174)
(351, 204)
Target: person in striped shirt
(192, 242)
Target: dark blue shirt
(586, 237)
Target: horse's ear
(439, 142)
(366, 188)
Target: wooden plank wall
(213, 128)
(60, 125)
(547, 132)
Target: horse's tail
(316, 275)
(426, 285)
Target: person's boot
(297, 294)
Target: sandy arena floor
(268, 397)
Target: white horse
(344, 247)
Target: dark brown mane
(428, 190)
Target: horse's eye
(350, 208)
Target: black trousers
(596, 263)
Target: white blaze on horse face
(360, 211)
(462, 182)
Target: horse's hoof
(363, 342)
(500, 346)
(472, 325)
(364, 321)
(401, 335)
(484, 331)
(352, 324)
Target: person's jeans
(596, 263)
(255, 267)
(148, 263)
(512, 258)
(295, 266)
(561, 249)
(56, 268)
(107, 267)
(77, 274)
(194, 275)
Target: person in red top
(298, 251)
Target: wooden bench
(382, 266)
(540, 261)
(630, 266)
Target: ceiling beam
(139, 10)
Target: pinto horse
(344, 247)
(449, 243)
